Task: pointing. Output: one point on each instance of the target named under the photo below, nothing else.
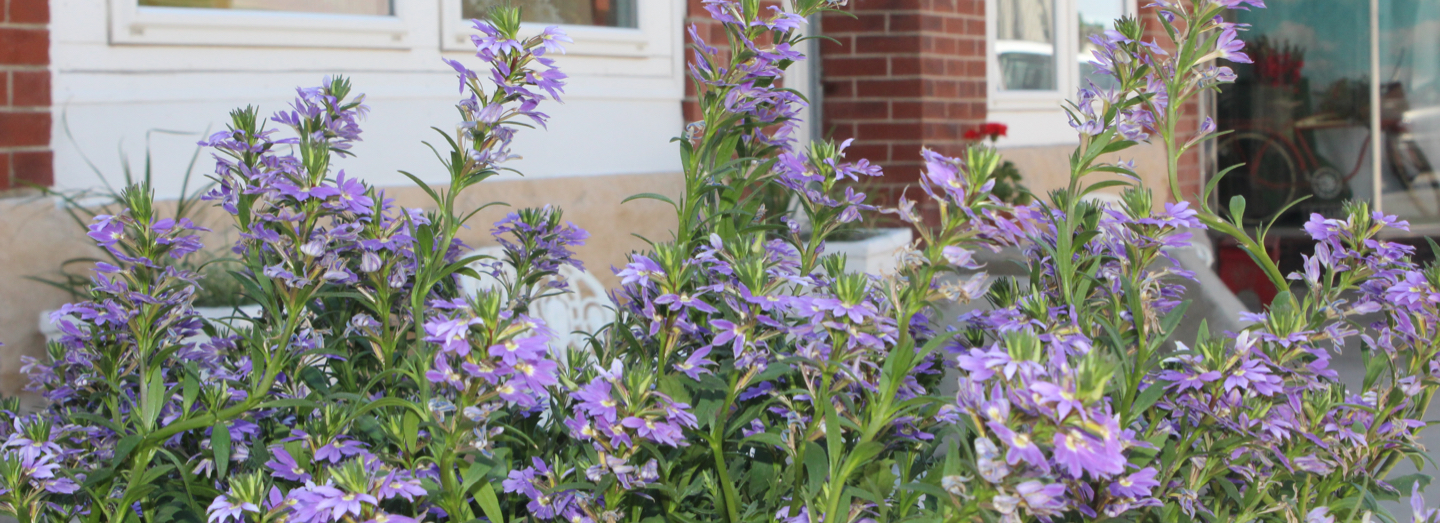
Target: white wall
(618, 118)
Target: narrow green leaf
(220, 443)
(489, 503)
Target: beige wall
(1047, 168)
(36, 237)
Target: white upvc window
(1039, 54)
(358, 24)
(632, 29)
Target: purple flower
(443, 373)
(1229, 46)
(338, 450)
(727, 331)
(1021, 447)
(960, 257)
(1042, 499)
(639, 270)
(396, 484)
(685, 301)
(352, 196)
(551, 38)
(1077, 452)
(1253, 375)
(1182, 381)
(595, 400)
(537, 374)
(514, 350)
(1136, 485)
(107, 230)
(222, 510)
(1411, 292)
(339, 503)
(1063, 398)
(450, 334)
(694, 365)
(282, 465)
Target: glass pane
(609, 13)
(1025, 44)
(1410, 108)
(346, 7)
(1300, 114)
(1095, 16)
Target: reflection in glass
(1025, 44)
(1095, 16)
(1299, 115)
(609, 13)
(1410, 107)
(346, 7)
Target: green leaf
(489, 503)
(190, 390)
(817, 467)
(1237, 208)
(1144, 402)
(220, 443)
(651, 196)
(473, 474)
(123, 449)
(287, 403)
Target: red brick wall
(1190, 175)
(901, 75)
(713, 35)
(24, 94)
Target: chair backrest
(585, 308)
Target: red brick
(4, 171)
(30, 88)
(841, 89)
(840, 45)
(888, 131)
(24, 46)
(856, 110)
(905, 65)
(906, 109)
(840, 23)
(4, 89)
(875, 152)
(29, 11)
(888, 88)
(904, 22)
(20, 129)
(845, 66)
(884, 5)
(887, 44)
(37, 167)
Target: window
(607, 13)
(1025, 44)
(1039, 56)
(348, 7)
(342, 24)
(605, 28)
(1094, 17)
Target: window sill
(134, 25)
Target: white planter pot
(873, 254)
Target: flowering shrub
(747, 376)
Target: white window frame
(655, 20)
(131, 23)
(1067, 78)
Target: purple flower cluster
(509, 360)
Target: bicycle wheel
(1268, 179)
